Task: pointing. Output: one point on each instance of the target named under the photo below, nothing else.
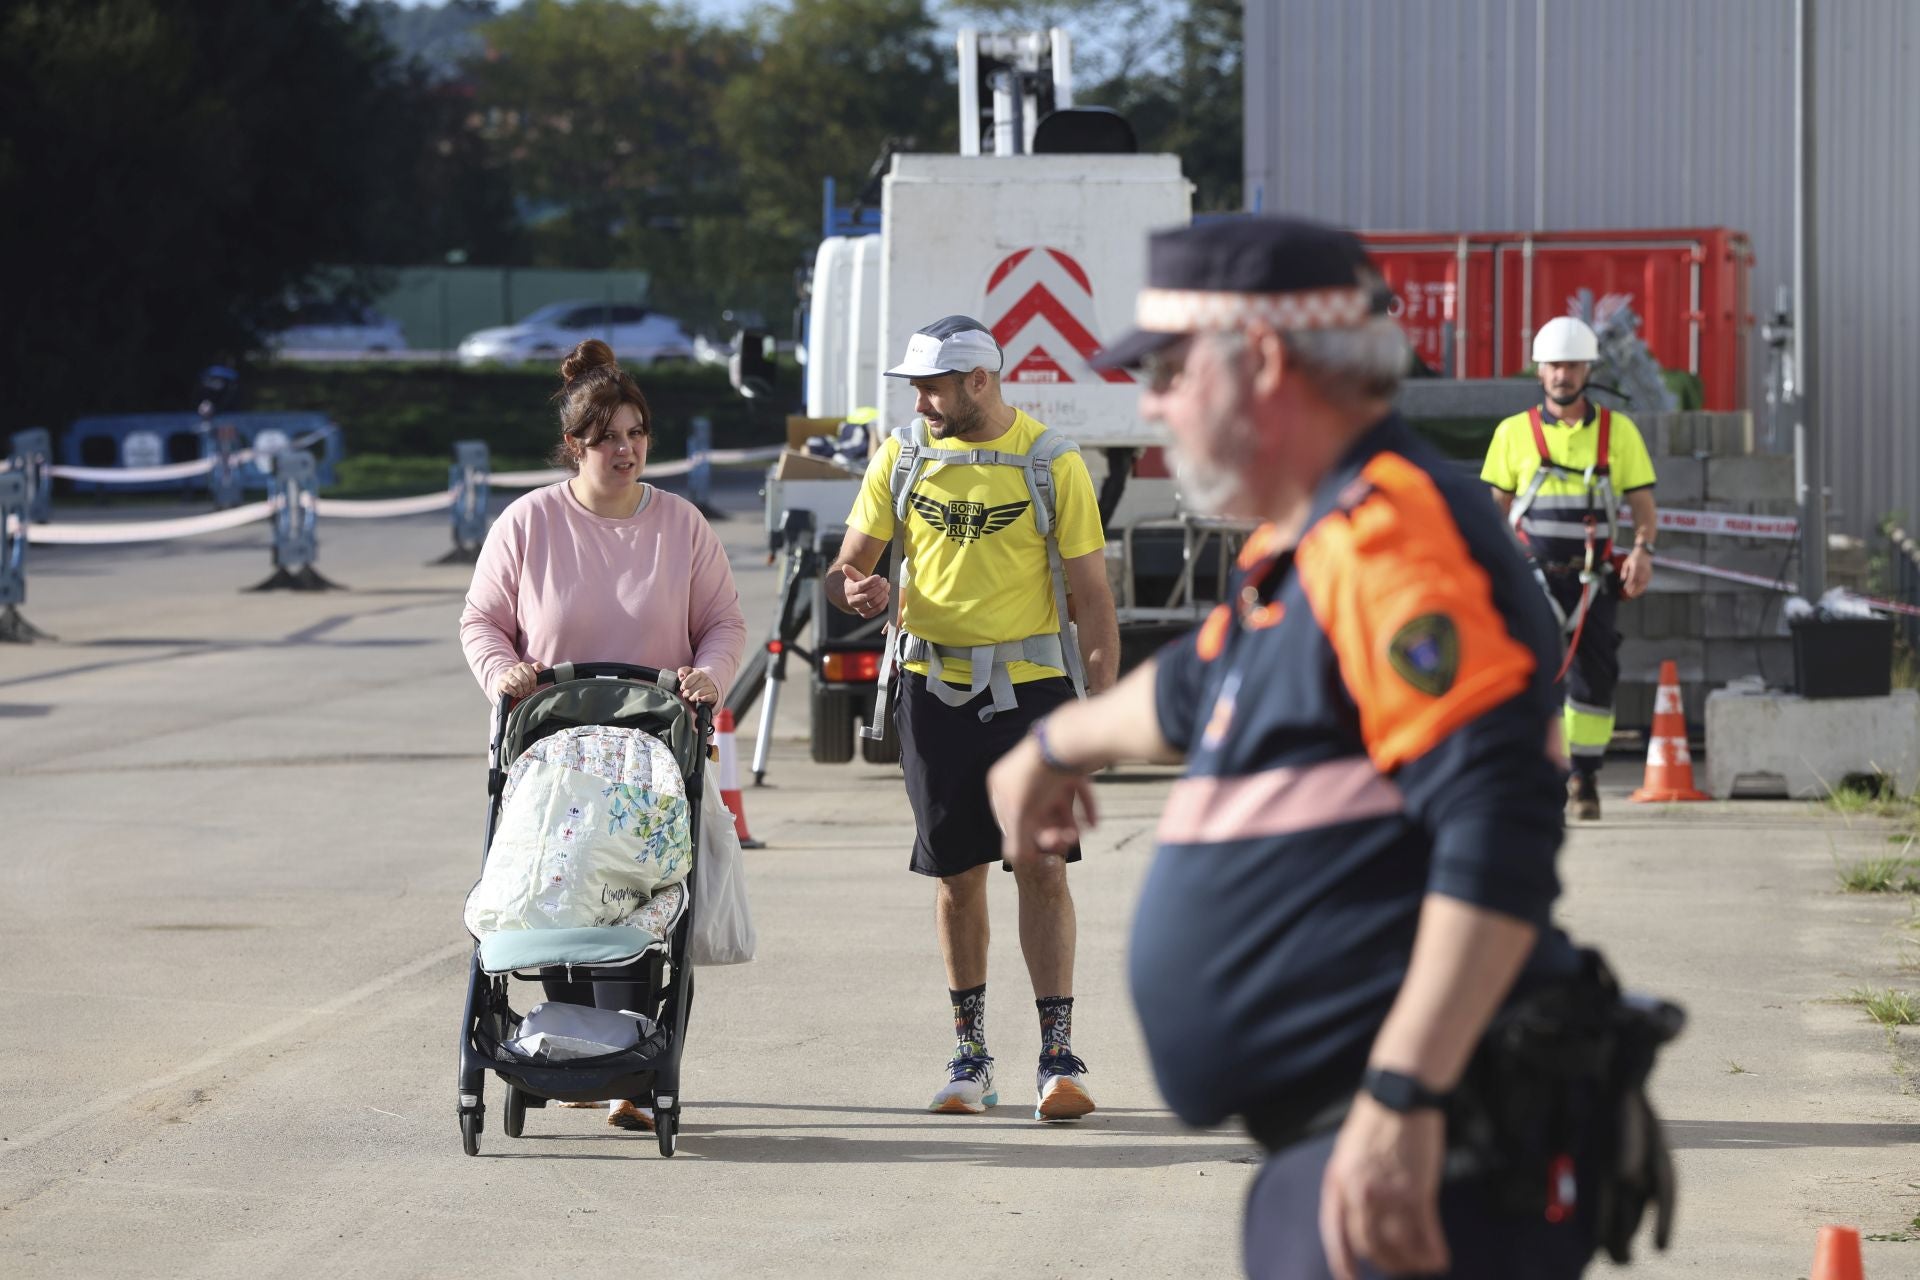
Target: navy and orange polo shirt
(1365, 724)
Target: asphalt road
(236, 830)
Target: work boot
(1583, 798)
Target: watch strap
(1398, 1091)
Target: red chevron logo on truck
(1046, 339)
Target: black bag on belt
(1567, 1059)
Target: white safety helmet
(1563, 340)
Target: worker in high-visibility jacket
(1559, 471)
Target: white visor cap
(955, 344)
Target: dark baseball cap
(1290, 272)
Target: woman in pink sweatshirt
(602, 567)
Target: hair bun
(585, 358)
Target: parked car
(336, 328)
(638, 336)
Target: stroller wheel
(515, 1121)
(470, 1132)
(666, 1127)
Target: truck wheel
(885, 751)
(833, 717)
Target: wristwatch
(1644, 546)
(1397, 1091)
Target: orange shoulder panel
(1261, 543)
(1213, 633)
(1409, 613)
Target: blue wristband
(1047, 757)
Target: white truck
(1049, 250)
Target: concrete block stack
(1715, 631)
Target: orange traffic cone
(730, 779)
(1837, 1254)
(1669, 774)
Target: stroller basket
(605, 695)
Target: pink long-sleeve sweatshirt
(557, 583)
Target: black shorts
(946, 752)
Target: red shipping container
(1470, 303)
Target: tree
(171, 170)
(604, 114)
(835, 81)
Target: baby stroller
(569, 696)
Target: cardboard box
(800, 430)
(794, 465)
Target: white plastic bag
(722, 922)
(554, 1032)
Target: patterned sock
(970, 1019)
(1056, 1024)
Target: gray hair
(1365, 363)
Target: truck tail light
(851, 667)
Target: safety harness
(988, 662)
(1594, 505)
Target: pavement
(236, 830)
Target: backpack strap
(907, 469)
(1047, 449)
(909, 466)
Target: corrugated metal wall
(1424, 115)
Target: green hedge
(392, 414)
(418, 411)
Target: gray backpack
(988, 661)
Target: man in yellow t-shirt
(1569, 463)
(985, 655)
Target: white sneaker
(969, 1087)
(1062, 1087)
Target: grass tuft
(1880, 875)
(1886, 1006)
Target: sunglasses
(1164, 367)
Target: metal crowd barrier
(468, 479)
(293, 505)
(14, 504)
(296, 515)
(31, 453)
(159, 452)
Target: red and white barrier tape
(1772, 584)
(1731, 524)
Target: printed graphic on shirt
(966, 521)
(977, 565)
(1426, 653)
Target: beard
(1214, 483)
(1211, 488)
(1568, 398)
(967, 414)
